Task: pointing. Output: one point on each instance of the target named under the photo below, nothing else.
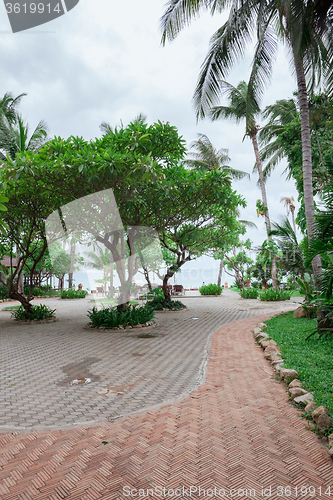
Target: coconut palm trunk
(307, 159)
(253, 136)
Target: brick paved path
(236, 431)
(38, 361)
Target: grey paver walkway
(37, 361)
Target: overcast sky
(103, 61)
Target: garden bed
(312, 358)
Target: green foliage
(307, 288)
(3, 292)
(38, 313)
(311, 358)
(249, 293)
(158, 303)
(261, 209)
(110, 317)
(73, 294)
(211, 289)
(272, 295)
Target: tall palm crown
(279, 115)
(207, 157)
(15, 138)
(245, 107)
(14, 133)
(8, 106)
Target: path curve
(39, 361)
(234, 436)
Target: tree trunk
(264, 200)
(219, 278)
(70, 275)
(307, 158)
(293, 219)
(165, 288)
(111, 275)
(25, 301)
(146, 275)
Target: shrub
(210, 290)
(249, 293)
(38, 312)
(73, 294)
(272, 294)
(3, 292)
(110, 317)
(43, 291)
(158, 302)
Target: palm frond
(106, 128)
(178, 14)
(227, 45)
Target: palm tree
(243, 108)
(289, 204)
(305, 27)
(8, 105)
(14, 137)
(102, 260)
(280, 114)
(207, 157)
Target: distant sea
(192, 275)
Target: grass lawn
(312, 358)
(10, 308)
(295, 293)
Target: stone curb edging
(299, 395)
(90, 326)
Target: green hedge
(73, 294)
(210, 290)
(110, 317)
(272, 294)
(38, 312)
(250, 293)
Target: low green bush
(249, 293)
(110, 317)
(73, 294)
(210, 290)
(38, 313)
(272, 294)
(158, 302)
(43, 291)
(3, 292)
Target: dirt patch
(79, 371)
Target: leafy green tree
(240, 263)
(28, 206)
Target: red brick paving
(237, 431)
